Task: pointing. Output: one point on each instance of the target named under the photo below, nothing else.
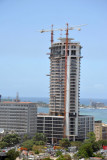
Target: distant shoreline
(90, 107)
(84, 102)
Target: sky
(23, 60)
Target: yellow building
(98, 130)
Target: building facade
(57, 82)
(98, 130)
(104, 131)
(97, 104)
(21, 117)
(85, 125)
(65, 121)
(51, 126)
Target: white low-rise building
(20, 117)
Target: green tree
(3, 144)
(85, 151)
(67, 157)
(39, 142)
(61, 158)
(64, 143)
(40, 137)
(98, 155)
(76, 143)
(48, 158)
(28, 144)
(96, 146)
(36, 152)
(89, 146)
(91, 137)
(25, 137)
(11, 139)
(64, 157)
(12, 154)
(58, 153)
(102, 142)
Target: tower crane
(61, 29)
(66, 51)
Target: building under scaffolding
(65, 102)
(57, 83)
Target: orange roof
(14, 102)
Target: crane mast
(65, 80)
(52, 35)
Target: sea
(99, 114)
(84, 101)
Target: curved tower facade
(57, 84)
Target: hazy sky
(23, 60)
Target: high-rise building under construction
(57, 83)
(65, 57)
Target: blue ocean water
(85, 101)
(99, 114)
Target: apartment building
(104, 131)
(85, 125)
(98, 130)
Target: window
(63, 47)
(73, 46)
(68, 53)
(63, 53)
(73, 52)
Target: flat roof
(47, 115)
(86, 116)
(14, 102)
(104, 125)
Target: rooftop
(64, 39)
(9, 102)
(47, 115)
(104, 125)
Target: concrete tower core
(57, 81)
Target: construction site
(64, 120)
